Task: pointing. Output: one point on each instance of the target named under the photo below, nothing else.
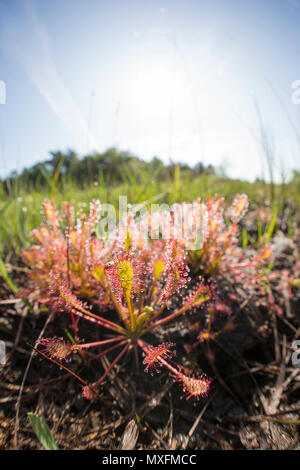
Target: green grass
(20, 211)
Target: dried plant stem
(23, 383)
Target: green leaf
(271, 228)
(56, 176)
(6, 277)
(4, 207)
(244, 237)
(42, 431)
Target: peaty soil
(254, 401)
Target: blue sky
(175, 79)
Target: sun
(152, 87)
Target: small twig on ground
(170, 422)
(157, 436)
(23, 383)
(197, 421)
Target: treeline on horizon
(111, 167)
(115, 167)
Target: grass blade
(269, 233)
(4, 207)
(6, 277)
(43, 432)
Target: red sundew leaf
(176, 270)
(57, 348)
(202, 293)
(51, 214)
(154, 353)
(194, 386)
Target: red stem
(101, 321)
(60, 365)
(136, 358)
(169, 317)
(74, 324)
(107, 350)
(98, 343)
(112, 365)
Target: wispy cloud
(33, 52)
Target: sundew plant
(145, 280)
